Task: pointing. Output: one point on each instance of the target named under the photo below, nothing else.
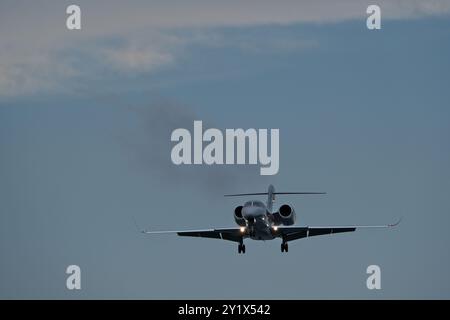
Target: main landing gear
(241, 248)
(284, 247)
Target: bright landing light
(275, 228)
(242, 229)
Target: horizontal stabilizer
(266, 193)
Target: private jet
(258, 221)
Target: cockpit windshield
(254, 204)
(258, 204)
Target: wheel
(239, 248)
(286, 247)
(282, 247)
(243, 248)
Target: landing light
(242, 229)
(275, 228)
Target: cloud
(51, 67)
(23, 73)
(137, 58)
(38, 54)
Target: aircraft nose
(252, 212)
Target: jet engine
(286, 215)
(238, 216)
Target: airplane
(258, 221)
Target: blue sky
(85, 123)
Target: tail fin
(270, 197)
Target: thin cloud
(38, 54)
(137, 59)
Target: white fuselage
(259, 225)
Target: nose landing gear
(241, 248)
(284, 247)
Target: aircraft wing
(294, 233)
(231, 234)
(289, 233)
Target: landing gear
(284, 247)
(241, 248)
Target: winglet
(137, 227)
(397, 223)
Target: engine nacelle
(238, 216)
(286, 215)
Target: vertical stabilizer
(270, 197)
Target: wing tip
(397, 223)
(139, 230)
